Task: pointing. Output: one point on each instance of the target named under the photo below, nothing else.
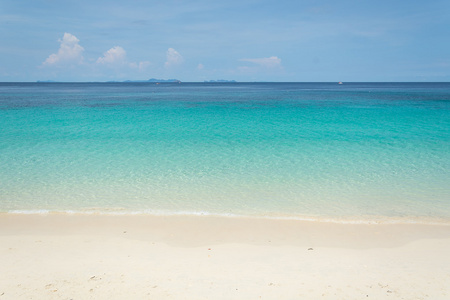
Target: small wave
(369, 220)
(30, 212)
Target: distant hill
(153, 80)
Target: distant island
(152, 80)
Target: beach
(224, 191)
(76, 256)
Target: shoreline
(363, 220)
(225, 229)
(61, 256)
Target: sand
(60, 256)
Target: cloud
(117, 57)
(245, 69)
(267, 62)
(69, 51)
(173, 58)
(114, 56)
(141, 66)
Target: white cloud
(114, 56)
(267, 62)
(143, 65)
(70, 54)
(173, 58)
(245, 69)
(117, 57)
(69, 51)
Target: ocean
(356, 152)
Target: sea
(350, 153)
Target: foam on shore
(323, 219)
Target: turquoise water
(357, 151)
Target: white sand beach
(63, 256)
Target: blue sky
(245, 40)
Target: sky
(242, 40)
